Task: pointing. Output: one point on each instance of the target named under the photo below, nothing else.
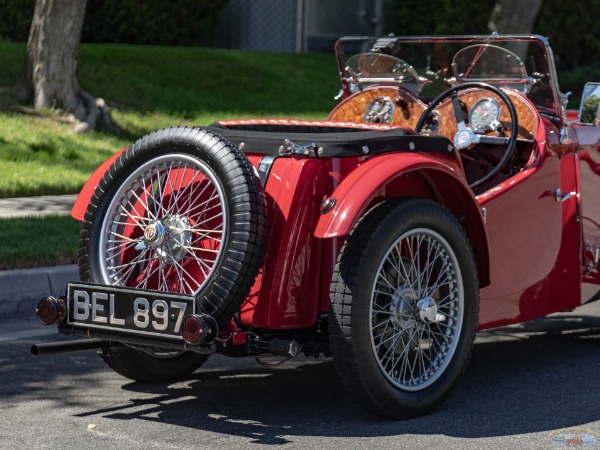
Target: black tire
(400, 345)
(152, 366)
(193, 207)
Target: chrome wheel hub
(169, 238)
(428, 311)
(178, 238)
(154, 234)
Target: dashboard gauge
(483, 113)
(380, 110)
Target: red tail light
(199, 328)
(51, 310)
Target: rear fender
(85, 195)
(412, 175)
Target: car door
(589, 169)
(534, 236)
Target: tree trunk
(49, 75)
(514, 16)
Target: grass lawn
(148, 88)
(38, 242)
(153, 87)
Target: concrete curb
(21, 289)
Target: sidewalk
(21, 289)
(36, 206)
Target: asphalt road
(519, 392)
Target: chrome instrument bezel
(380, 110)
(487, 126)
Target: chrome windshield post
(564, 132)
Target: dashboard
(483, 111)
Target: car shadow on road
(513, 386)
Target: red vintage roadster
(449, 191)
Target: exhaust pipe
(80, 345)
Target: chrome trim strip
(264, 168)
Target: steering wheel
(465, 137)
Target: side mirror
(590, 104)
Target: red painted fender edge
(85, 195)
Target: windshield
(427, 66)
(381, 68)
(484, 62)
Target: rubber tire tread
(231, 282)
(139, 366)
(349, 335)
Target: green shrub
(174, 22)
(425, 17)
(157, 22)
(574, 80)
(15, 19)
(572, 30)
(570, 26)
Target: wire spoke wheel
(179, 211)
(404, 308)
(164, 227)
(416, 309)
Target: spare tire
(181, 210)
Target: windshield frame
(390, 44)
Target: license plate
(128, 310)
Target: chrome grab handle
(560, 197)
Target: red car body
(533, 228)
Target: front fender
(85, 195)
(407, 175)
